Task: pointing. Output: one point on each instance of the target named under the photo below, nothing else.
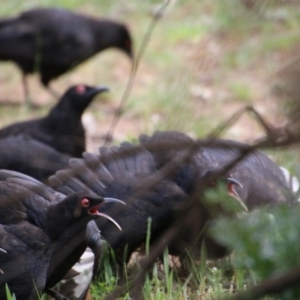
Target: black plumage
(29, 156)
(52, 41)
(125, 177)
(130, 176)
(62, 128)
(262, 179)
(24, 259)
(37, 223)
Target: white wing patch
(292, 181)
(80, 275)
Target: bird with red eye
(90, 204)
(39, 246)
(62, 128)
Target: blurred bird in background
(52, 41)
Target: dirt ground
(211, 94)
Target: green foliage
(9, 296)
(266, 242)
(241, 92)
(102, 288)
(219, 201)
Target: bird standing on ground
(132, 174)
(122, 176)
(62, 128)
(37, 223)
(129, 171)
(52, 41)
(262, 179)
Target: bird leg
(55, 295)
(28, 101)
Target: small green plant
(241, 92)
(9, 296)
(266, 242)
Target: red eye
(80, 89)
(85, 202)
(212, 184)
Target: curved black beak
(2, 250)
(101, 89)
(95, 210)
(231, 182)
(109, 200)
(98, 89)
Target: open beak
(95, 210)
(233, 181)
(233, 193)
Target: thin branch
(274, 285)
(131, 80)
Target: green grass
(9, 295)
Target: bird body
(43, 228)
(138, 175)
(29, 156)
(62, 128)
(262, 179)
(124, 177)
(24, 257)
(52, 41)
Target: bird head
(83, 205)
(210, 180)
(126, 43)
(78, 97)
(115, 35)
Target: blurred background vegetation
(205, 60)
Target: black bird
(112, 173)
(52, 41)
(262, 179)
(36, 224)
(128, 172)
(62, 128)
(132, 174)
(29, 156)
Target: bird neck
(60, 219)
(63, 111)
(63, 120)
(108, 31)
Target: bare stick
(130, 83)
(248, 109)
(270, 286)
